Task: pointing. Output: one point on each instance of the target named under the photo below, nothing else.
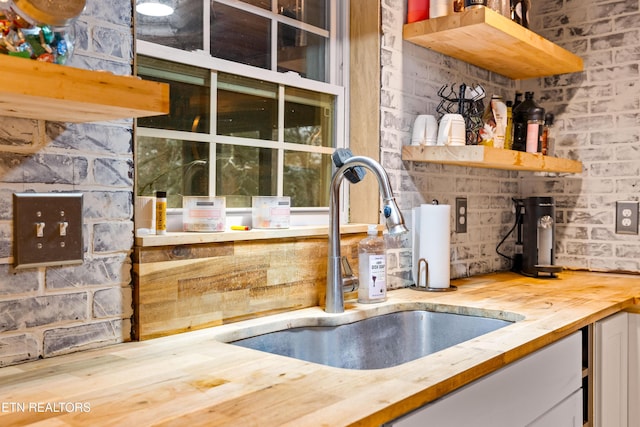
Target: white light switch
(40, 229)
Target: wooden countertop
(193, 379)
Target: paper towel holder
(416, 286)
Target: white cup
(145, 215)
(425, 130)
(439, 8)
(452, 130)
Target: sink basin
(376, 342)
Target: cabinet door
(610, 374)
(567, 413)
(515, 395)
(634, 369)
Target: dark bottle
(517, 100)
(527, 115)
(520, 12)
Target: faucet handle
(354, 174)
(350, 281)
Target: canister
(203, 213)
(270, 211)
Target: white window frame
(338, 73)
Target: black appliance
(538, 237)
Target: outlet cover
(461, 215)
(627, 217)
(47, 229)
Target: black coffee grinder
(537, 231)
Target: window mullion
(206, 26)
(280, 169)
(213, 129)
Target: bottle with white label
(372, 268)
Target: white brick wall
(411, 78)
(55, 310)
(597, 122)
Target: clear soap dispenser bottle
(372, 268)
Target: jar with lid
(39, 29)
(471, 4)
(528, 120)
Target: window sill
(192, 238)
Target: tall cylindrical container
(547, 147)
(417, 10)
(535, 125)
(525, 111)
(372, 268)
(161, 212)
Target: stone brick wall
(597, 122)
(50, 311)
(411, 78)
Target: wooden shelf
(479, 156)
(40, 90)
(489, 40)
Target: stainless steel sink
(376, 342)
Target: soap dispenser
(372, 268)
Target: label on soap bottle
(374, 283)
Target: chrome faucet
(351, 166)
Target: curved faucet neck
(334, 296)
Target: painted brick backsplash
(56, 310)
(597, 123)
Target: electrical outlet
(627, 217)
(461, 215)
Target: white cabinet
(634, 369)
(611, 371)
(566, 413)
(542, 389)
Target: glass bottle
(547, 137)
(372, 268)
(508, 133)
(161, 212)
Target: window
(256, 105)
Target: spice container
(39, 29)
(161, 212)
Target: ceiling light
(154, 7)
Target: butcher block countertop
(193, 379)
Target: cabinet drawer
(515, 395)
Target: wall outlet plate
(47, 229)
(461, 215)
(627, 217)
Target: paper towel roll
(431, 241)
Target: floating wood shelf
(40, 90)
(479, 156)
(491, 41)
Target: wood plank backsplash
(185, 287)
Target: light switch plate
(627, 217)
(47, 229)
